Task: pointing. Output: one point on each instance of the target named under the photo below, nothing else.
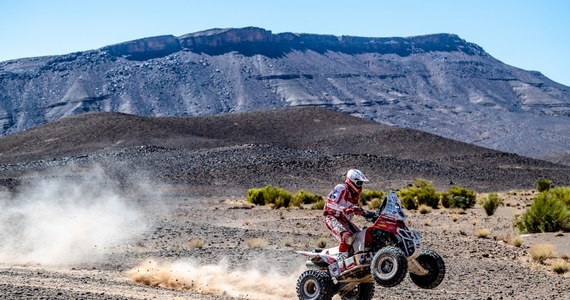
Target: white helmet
(355, 179)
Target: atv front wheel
(389, 266)
(433, 263)
(364, 291)
(315, 285)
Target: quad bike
(383, 253)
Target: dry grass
(482, 233)
(256, 243)
(541, 252)
(455, 217)
(459, 211)
(195, 244)
(424, 209)
(473, 222)
(517, 241)
(288, 242)
(560, 266)
(322, 242)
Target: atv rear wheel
(389, 266)
(315, 285)
(364, 291)
(433, 263)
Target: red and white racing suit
(338, 212)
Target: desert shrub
(322, 242)
(269, 195)
(459, 197)
(368, 195)
(408, 200)
(482, 233)
(424, 209)
(281, 201)
(547, 213)
(560, 266)
(318, 205)
(561, 193)
(375, 203)
(288, 242)
(196, 244)
(446, 200)
(544, 185)
(517, 241)
(256, 243)
(255, 196)
(540, 252)
(455, 217)
(421, 192)
(491, 202)
(296, 202)
(304, 197)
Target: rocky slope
(437, 83)
(295, 148)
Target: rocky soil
(248, 253)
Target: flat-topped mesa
(146, 48)
(217, 41)
(252, 40)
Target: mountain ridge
(436, 83)
(252, 40)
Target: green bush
(446, 200)
(256, 196)
(375, 203)
(303, 197)
(318, 205)
(459, 197)
(281, 201)
(368, 195)
(562, 193)
(421, 192)
(408, 200)
(269, 195)
(544, 185)
(549, 212)
(491, 203)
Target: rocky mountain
(436, 83)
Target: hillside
(295, 148)
(436, 83)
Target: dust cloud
(218, 280)
(66, 220)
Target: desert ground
(117, 207)
(223, 248)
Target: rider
(341, 205)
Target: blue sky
(529, 34)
